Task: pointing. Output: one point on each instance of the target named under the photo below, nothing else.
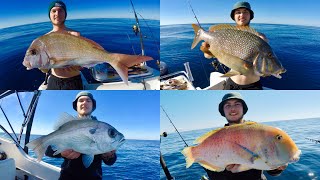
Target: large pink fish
(249, 145)
(57, 50)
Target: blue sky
(190, 110)
(133, 113)
(298, 12)
(18, 12)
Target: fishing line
(174, 126)
(195, 16)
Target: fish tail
(187, 152)
(121, 63)
(196, 39)
(39, 146)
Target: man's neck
(84, 116)
(59, 28)
(238, 122)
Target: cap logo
(58, 5)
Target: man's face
(57, 15)
(242, 16)
(233, 110)
(84, 105)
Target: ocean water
(110, 33)
(136, 159)
(297, 47)
(306, 168)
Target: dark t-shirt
(74, 169)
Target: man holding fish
(242, 150)
(247, 66)
(64, 51)
(69, 77)
(74, 165)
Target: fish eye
(112, 133)
(278, 137)
(33, 52)
(270, 55)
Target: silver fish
(86, 136)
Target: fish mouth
(296, 157)
(27, 64)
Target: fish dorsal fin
(205, 136)
(64, 118)
(222, 26)
(228, 26)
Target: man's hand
(108, 155)
(67, 71)
(70, 154)
(205, 49)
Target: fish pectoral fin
(238, 168)
(211, 167)
(87, 160)
(231, 73)
(252, 155)
(44, 70)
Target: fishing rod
(137, 22)
(195, 16)
(215, 64)
(313, 140)
(174, 126)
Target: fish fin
(239, 168)
(57, 151)
(63, 119)
(249, 29)
(210, 166)
(229, 26)
(44, 70)
(187, 152)
(196, 39)
(39, 146)
(87, 160)
(205, 136)
(253, 156)
(231, 73)
(222, 26)
(121, 63)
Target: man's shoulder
(69, 31)
(73, 32)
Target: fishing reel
(135, 29)
(3, 156)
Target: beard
(59, 23)
(235, 121)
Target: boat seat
(7, 169)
